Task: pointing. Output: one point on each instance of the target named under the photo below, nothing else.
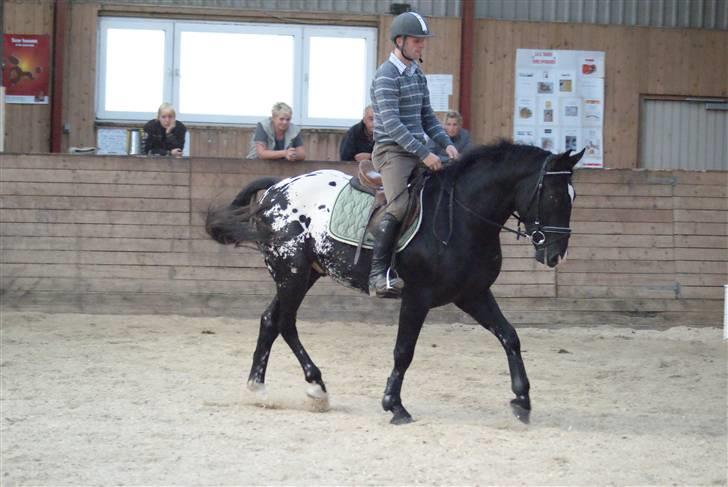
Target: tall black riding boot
(384, 242)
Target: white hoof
(316, 392)
(258, 388)
(319, 398)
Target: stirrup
(393, 286)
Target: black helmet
(409, 24)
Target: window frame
(106, 23)
(171, 90)
(233, 27)
(370, 37)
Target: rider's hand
(291, 154)
(433, 162)
(176, 152)
(452, 152)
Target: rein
(537, 237)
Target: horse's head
(544, 202)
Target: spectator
(277, 138)
(164, 135)
(459, 136)
(358, 143)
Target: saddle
(369, 180)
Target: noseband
(538, 236)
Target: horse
(454, 257)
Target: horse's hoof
(315, 391)
(401, 416)
(319, 399)
(258, 388)
(522, 410)
(401, 419)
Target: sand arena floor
(159, 400)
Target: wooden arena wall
(106, 234)
(640, 60)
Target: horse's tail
(234, 223)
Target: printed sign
(559, 101)
(26, 65)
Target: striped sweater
(402, 110)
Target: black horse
(454, 258)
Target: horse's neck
(492, 196)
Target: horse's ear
(566, 162)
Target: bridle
(538, 236)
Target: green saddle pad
(349, 219)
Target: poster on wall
(559, 101)
(440, 88)
(26, 66)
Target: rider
(402, 116)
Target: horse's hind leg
(291, 294)
(266, 336)
(487, 312)
(273, 322)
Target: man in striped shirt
(402, 116)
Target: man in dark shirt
(358, 142)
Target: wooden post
(2, 119)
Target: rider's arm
(431, 125)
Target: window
(215, 72)
(134, 68)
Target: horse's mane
(491, 156)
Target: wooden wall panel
(79, 93)
(638, 61)
(28, 127)
(125, 235)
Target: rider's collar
(402, 67)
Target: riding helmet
(409, 24)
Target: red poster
(26, 66)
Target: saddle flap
(353, 212)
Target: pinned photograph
(525, 110)
(524, 135)
(570, 142)
(545, 87)
(547, 143)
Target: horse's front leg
(412, 314)
(487, 312)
